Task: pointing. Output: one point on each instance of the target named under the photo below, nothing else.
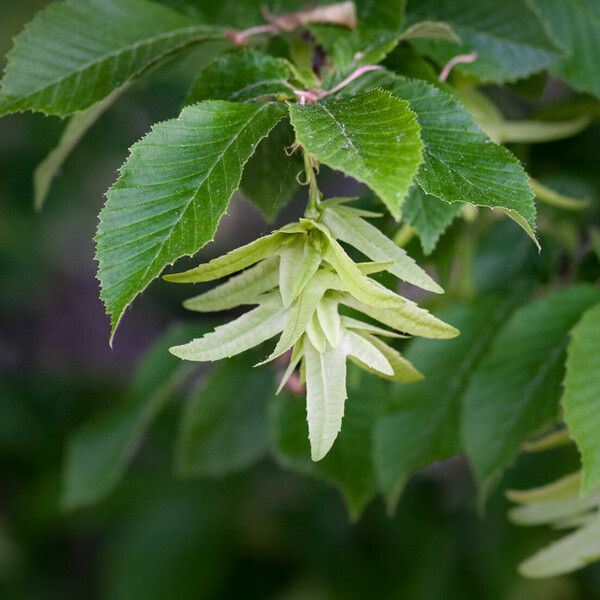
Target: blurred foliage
(263, 533)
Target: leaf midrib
(132, 47)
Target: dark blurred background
(262, 534)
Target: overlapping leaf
(99, 453)
(172, 192)
(383, 151)
(429, 216)
(581, 400)
(422, 423)
(460, 163)
(575, 23)
(224, 424)
(75, 53)
(510, 40)
(515, 389)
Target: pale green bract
(559, 504)
(298, 277)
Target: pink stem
(457, 60)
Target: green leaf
(243, 289)
(172, 192)
(510, 40)
(75, 53)
(461, 164)
(348, 465)
(252, 328)
(241, 76)
(422, 424)
(224, 423)
(575, 24)
(99, 453)
(348, 227)
(516, 387)
(76, 128)
(377, 33)
(581, 399)
(325, 396)
(271, 175)
(383, 151)
(429, 216)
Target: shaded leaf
(575, 24)
(429, 216)
(516, 386)
(510, 40)
(99, 453)
(241, 76)
(422, 424)
(224, 423)
(581, 399)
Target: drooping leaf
(352, 229)
(510, 40)
(349, 464)
(241, 76)
(325, 396)
(429, 216)
(383, 151)
(75, 53)
(271, 175)
(378, 30)
(575, 23)
(224, 423)
(252, 328)
(581, 400)
(172, 192)
(99, 453)
(243, 289)
(422, 423)
(460, 163)
(516, 386)
(75, 129)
